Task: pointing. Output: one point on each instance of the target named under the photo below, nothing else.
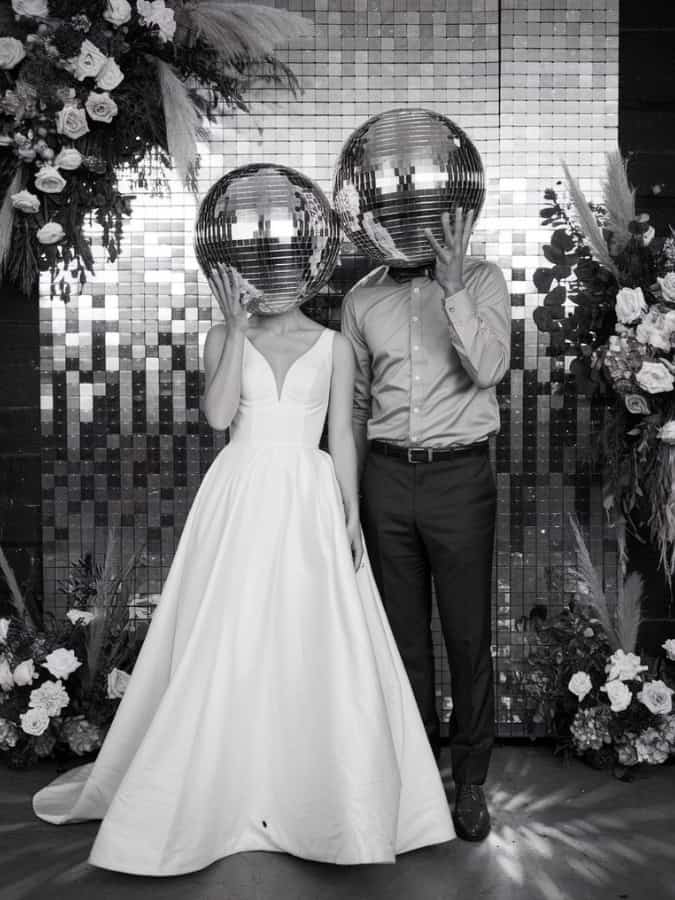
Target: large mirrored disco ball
(396, 175)
(276, 228)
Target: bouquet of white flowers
(61, 681)
(596, 695)
(94, 87)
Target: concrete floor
(561, 832)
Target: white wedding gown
(269, 708)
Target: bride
(269, 708)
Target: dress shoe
(471, 816)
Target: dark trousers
(437, 519)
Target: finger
(224, 276)
(438, 250)
(459, 226)
(213, 284)
(468, 228)
(447, 231)
(229, 277)
(217, 280)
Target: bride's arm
(223, 352)
(341, 439)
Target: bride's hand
(355, 542)
(226, 288)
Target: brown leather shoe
(470, 815)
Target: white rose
(580, 685)
(630, 305)
(11, 52)
(155, 12)
(118, 682)
(32, 9)
(618, 695)
(654, 378)
(50, 180)
(51, 233)
(666, 434)
(6, 679)
(118, 12)
(657, 697)
(669, 647)
(655, 330)
(110, 76)
(101, 107)
(667, 284)
(26, 202)
(4, 630)
(50, 696)
(89, 63)
(71, 121)
(624, 666)
(68, 159)
(61, 663)
(80, 616)
(25, 673)
(35, 721)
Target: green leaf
(543, 279)
(560, 273)
(543, 319)
(556, 297)
(553, 255)
(562, 241)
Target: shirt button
(415, 319)
(413, 437)
(416, 290)
(416, 347)
(417, 377)
(416, 409)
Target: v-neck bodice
(292, 413)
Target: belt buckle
(425, 451)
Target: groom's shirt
(428, 365)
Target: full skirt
(269, 708)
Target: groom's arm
(361, 404)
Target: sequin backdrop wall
(125, 445)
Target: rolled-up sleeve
(351, 330)
(479, 318)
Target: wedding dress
(269, 708)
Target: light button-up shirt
(428, 365)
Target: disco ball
(275, 228)
(396, 175)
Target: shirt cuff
(459, 307)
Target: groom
(430, 349)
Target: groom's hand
(449, 270)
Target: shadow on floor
(561, 832)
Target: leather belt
(427, 454)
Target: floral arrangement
(597, 696)
(61, 680)
(610, 303)
(91, 88)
